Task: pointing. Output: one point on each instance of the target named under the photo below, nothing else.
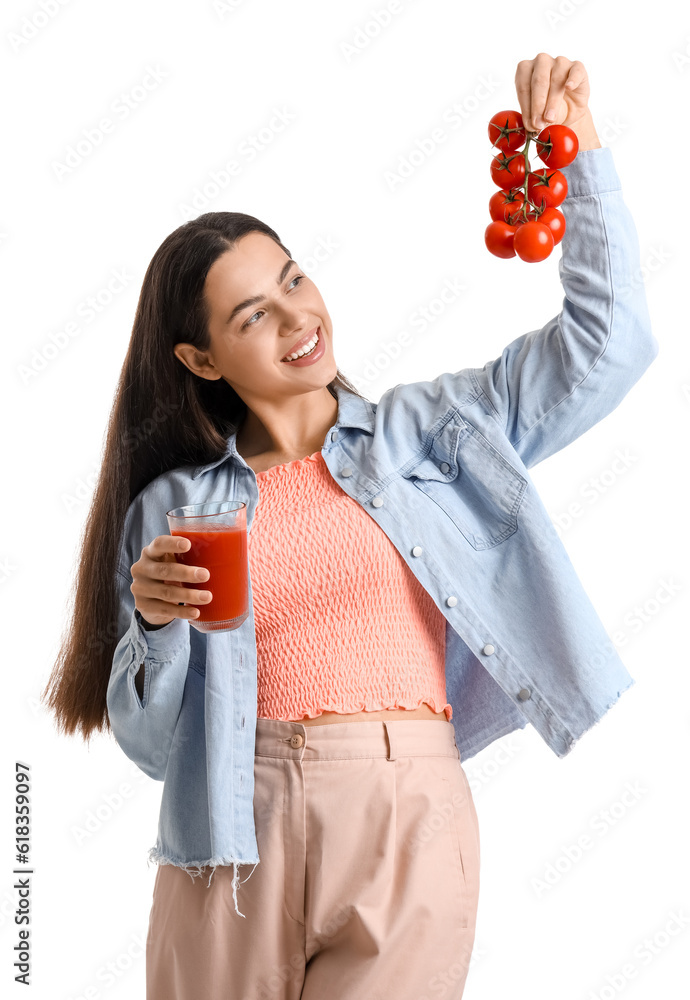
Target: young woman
(410, 600)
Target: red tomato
(533, 242)
(503, 202)
(508, 171)
(546, 187)
(555, 220)
(500, 130)
(499, 239)
(557, 146)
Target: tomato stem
(526, 202)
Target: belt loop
(391, 742)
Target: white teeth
(304, 350)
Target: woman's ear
(196, 360)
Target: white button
(451, 601)
(347, 471)
(524, 693)
(417, 550)
(445, 467)
(377, 502)
(334, 436)
(488, 649)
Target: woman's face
(250, 339)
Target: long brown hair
(163, 416)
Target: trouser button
(296, 740)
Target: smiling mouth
(302, 353)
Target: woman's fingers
(550, 90)
(156, 608)
(157, 581)
(577, 74)
(547, 101)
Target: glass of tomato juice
(217, 531)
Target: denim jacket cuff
(591, 172)
(158, 644)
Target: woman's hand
(156, 582)
(556, 91)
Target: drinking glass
(217, 531)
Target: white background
(322, 180)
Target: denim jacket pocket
(471, 482)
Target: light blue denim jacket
(441, 466)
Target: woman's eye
(298, 277)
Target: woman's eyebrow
(260, 298)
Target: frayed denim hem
(188, 866)
(575, 739)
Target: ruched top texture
(342, 624)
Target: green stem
(526, 202)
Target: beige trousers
(368, 882)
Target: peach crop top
(342, 624)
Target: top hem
(447, 709)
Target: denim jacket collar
(353, 411)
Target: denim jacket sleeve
(144, 728)
(551, 385)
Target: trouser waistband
(338, 741)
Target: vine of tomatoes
(526, 219)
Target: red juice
(223, 553)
